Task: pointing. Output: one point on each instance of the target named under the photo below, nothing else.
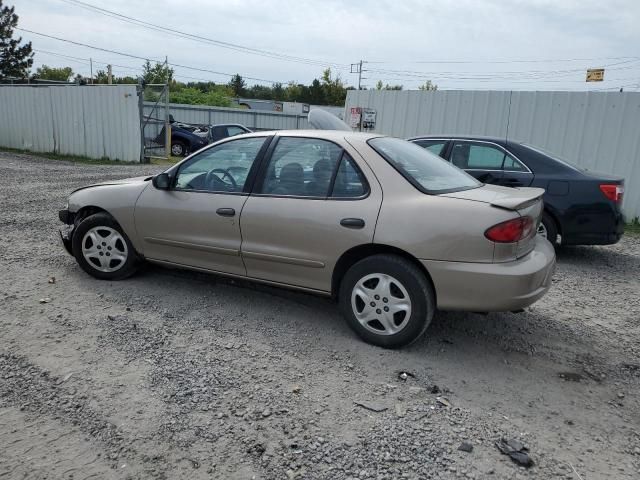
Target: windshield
(424, 170)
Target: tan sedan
(390, 230)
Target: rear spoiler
(519, 198)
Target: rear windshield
(555, 157)
(424, 170)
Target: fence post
(209, 116)
(140, 90)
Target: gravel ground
(173, 374)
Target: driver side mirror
(162, 181)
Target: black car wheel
(548, 229)
(387, 300)
(178, 148)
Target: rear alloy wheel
(387, 300)
(102, 249)
(548, 229)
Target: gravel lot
(173, 374)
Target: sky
(457, 44)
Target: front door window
(221, 169)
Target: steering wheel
(212, 178)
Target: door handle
(352, 222)
(226, 212)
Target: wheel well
(554, 217)
(355, 254)
(84, 212)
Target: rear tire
(548, 229)
(102, 249)
(387, 300)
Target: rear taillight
(612, 191)
(510, 231)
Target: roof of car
(498, 140)
(326, 134)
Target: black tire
(121, 269)
(551, 227)
(415, 283)
(178, 145)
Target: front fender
(118, 200)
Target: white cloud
(398, 33)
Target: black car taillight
(612, 191)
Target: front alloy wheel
(105, 249)
(102, 248)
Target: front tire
(387, 300)
(178, 148)
(102, 249)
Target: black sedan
(580, 207)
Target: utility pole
(91, 66)
(357, 68)
(109, 75)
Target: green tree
(382, 86)
(61, 74)
(334, 90)
(278, 91)
(428, 86)
(293, 92)
(237, 85)
(193, 96)
(158, 73)
(15, 59)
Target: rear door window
(301, 167)
(349, 181)
(482, 156)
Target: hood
(116, 182)
(502, 197)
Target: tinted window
(434, 146)
(477, 156)
(426, 171)
(301, 167)
(233, 131)
(223, 168)
(349, 181)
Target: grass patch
(633, 227)
(67, 158)
(90, 161)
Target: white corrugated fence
(91, 121)
(599, 131)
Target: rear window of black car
(427, 172)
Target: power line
(141, 58)
(202, 39)
(554, 60)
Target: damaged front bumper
(66, 232)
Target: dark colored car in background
(187, 138)
(580, 207)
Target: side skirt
(240, 277)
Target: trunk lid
(501, 197)
(524, 201)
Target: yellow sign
(595, 74)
